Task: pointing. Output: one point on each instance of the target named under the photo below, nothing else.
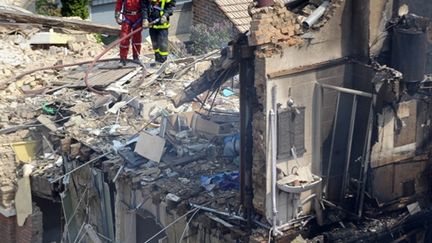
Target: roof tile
(237, 12)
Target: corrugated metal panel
(237, 12)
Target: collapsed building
(320, 133)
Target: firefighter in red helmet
(130, 15)
(158, 12)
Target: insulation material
(23, 198)
(396, 135)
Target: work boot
(123, 62)
(137, 60)
(155, 64)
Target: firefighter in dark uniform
(129, 14)
(157, 12)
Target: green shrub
(47, 7)
(75, 8)
(205, 39)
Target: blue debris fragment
(223, 181)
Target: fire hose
(109, 47)
(92, 63)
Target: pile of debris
(129, 129)
(25, 47)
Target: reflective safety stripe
(122, 46)
(163, 53)
(162, 12)
(161, 26)
(163, 4)
(156, 51)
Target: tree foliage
(205, 39)
(75, 8)
(47, 7)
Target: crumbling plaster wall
(302, 89)
(129, 200)
(402, 134)
(329, 43)
(393, 152)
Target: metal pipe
(316, 148)
(367, 157)
(332, 145)
(315, 15)
(232, 216)
(303, 220)
(348, 155)
(363, 160)
(346, 90)
(273, 138)
(307, 199)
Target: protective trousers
(131, 22)
(159, 39)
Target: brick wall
(7, 228)
(207, 12)
(30, 232)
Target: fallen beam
(75, 24)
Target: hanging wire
(171, 224)
(187, 225)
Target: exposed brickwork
(273, 29)
(207, 12)
(30, 232)
(8, 228)
(259, 138)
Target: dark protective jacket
(155, 9)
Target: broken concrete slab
(150, 147)
(47, 122)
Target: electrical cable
(78, 236)
(79, 167)
(172, 223)
(76, 208)
(187, 225)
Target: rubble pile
(130, 128)
(19, 54)
(275, 28)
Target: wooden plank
(75, 24)
(102, 77)
(47, 123)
